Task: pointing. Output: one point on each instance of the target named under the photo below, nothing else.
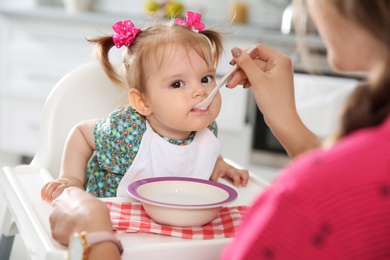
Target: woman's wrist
(95, 245)
(102, 223)
(104, 250)
(293, 134)
(88, 207)
(94, 207)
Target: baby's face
(182, 80)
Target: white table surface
(22, 185)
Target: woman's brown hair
(147, 48)
(369, 104)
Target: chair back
(84, 93)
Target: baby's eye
(177, 84)
(207, 79)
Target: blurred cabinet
(36, 51)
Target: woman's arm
(271, 76)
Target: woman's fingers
(250, 64)
(238, 78)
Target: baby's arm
(79, 147)
(223, 169)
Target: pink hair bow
(192, 21)
(126, 33)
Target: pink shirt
(329, 204)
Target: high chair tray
(21, 188)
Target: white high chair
(84, 93)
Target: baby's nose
(200, 90)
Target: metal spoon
(206, 102)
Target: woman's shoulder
(357, 157)
(325, 197)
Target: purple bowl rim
(132, 190)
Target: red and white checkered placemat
(131, 217)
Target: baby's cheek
(217, 103)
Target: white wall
(263, 12)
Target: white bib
(159, 158)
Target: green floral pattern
(117, 141)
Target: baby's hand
(223, 169)
(53, 189)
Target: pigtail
(142, 49)
(369, 104)
(102, 47)
(216, 41)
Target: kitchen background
(42, 40)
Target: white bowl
(182, 201)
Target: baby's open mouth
(199, 109)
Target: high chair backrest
(84, 93)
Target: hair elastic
(126, 33)
(192, 22)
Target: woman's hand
(223, 169)
(74, 211)
(271, 76)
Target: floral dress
(117, 141)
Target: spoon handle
(206, 102)
(224, 79)
(230, 73)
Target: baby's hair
(143, 52)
